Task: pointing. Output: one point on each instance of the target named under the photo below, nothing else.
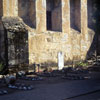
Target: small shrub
(1, 66)
(82, 64)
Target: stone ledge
(14, 24)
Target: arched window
(27, 11)
(54, 15)
(75, 14)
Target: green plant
(1, 66)
(82, 64)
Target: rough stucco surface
(43, 45)
(10, 7)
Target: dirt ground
(55, 88)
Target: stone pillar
(10, 7)
(65, 16)
(41, 15)
(84, 18)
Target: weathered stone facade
(69, 28)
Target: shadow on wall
(93, 48)
(95, 45)
(27, 11)
(91, 13)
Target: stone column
(41, 15)
(84, 18)
(65, 16)
(84, 30)
(10, 7)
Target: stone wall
(44, 45)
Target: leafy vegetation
(82, 64)
(1, 66)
